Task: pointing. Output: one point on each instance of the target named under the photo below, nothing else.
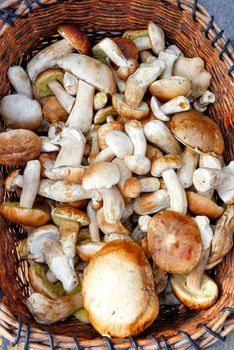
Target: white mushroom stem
(47, 145)
(194, 278)
(189, 164)
(63, 173)
(70, 83)
(125, 173)
(143, 222)
(128, 211)
(209, 161)
(113, 204)
(151, 203)
(81, 115)
(72, 144)
(169, 60)
(207, 98)
(67, 101)
(178, 200)
(143, 43)
(176, 105)
(149, 184)
(119, 82)
(31, 182)
(175, 50)
(144, 55)
(205, 229)
(94, 146)
(106, 155)
(159, 135)
(51, 277)
(68, 237)
(206, 179)
(20, 81)
(135, 131)
(93, 226)
(155, 107)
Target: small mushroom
(100, 100)
(44, 78)
(198, 132)
(149, 184)
(76, 37)
(112, 50)
(150, 203)
(92, 137)
(86, 250)
(153, 152)
(171, 87)
(69, 220)
(81, 115)
(176, 105)
(169, 60)
(65, 173)
(113, 204)
(103, 113)
(129, 112)
(93, 225)
(157, 37)
(137, 163)
(174, 242)
(193, 69)
(159, 135)
(109, 237)
(119, 143)
(20, 81)
(200, 205)
(89, 70)
(189, 164)
(155, 107)
(127, 47)
(70, 83)
(106, 228)
(44, 246)
(123, 317)
(20, 112)
(67, 101)
(31, 182)
(47, 311)
(206, 99)
(52, 110)
(137, 83)
(164, 167)
(48, 57)
(40, 284)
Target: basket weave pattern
(187, 24)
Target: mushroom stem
(194, 278)
(31, 182)
(20, 81)
(149, 184)
(68, 237)
(47, 311)
(142, 43)
(206, 179)
(144, 55)
(178, 200)
(209, 161)
(169, 60)
(206, 99)
(189, 164)
(106, 155)
(113, 204)
(176, 105)
(81, 115)
(135, 131)
(66, 100)
(93, 226)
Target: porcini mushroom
(125, 260)
(157, 37)
(129, 112)
(31, 182)
(20, 112)
(20, 81)
(171, 87)
(169, 60)
(44, 78)
(70, 83)
(86, 250)
(189, 163)
(67, 101)
(93, 225)
(200, 205)
(119, 143)
(202, 103)
(174, 241)
(76, 37)
(164, 167)
(100, 100)
(104, 129)
(52, 110)
(150, 203)
(125, 173)
(106, 228)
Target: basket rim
(12, 328)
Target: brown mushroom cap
(24, 216)
(118, 270)
(76, 38)
(169, 161)
(201, 205)
(71, 214)
(10, 179)
(129, 112)
(19, 146)
(128, 47)
(132, 187)
(174, 241)
(52, 110)
(198, 132)
(169, 88)
(200, 299)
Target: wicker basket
(26, 27)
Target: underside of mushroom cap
(71, 214)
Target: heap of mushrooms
(120, 179)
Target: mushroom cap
(169, 161)
(198, 132)
(52, 110)
(18, 146)
(40, 284)
(101, 175)
(132, 187)
(105, 227)
(157, 37)
(127, 47)
(20, 112)
(70, 214)
(200, 299)
(44, 78)
(76, 38)
(36, 240)
(149, 203)
(135, 33)
(174, 241)
(30, 217)
(129, 112)
(86, 250)
(169, 88)
(119, 143)
(201, 205)
(104, 129)
(10, 180)
(118, 270)
(103, 113)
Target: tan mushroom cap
(44, 78)
(70, 214)
(76, 38)
(101, 175)
(30, 217)
(19, 146)
(86, 250)
(174, 241)
(118, 270)
(129, 112)
(169, 88)
(104, 129)
(198, 132)
(200, 299)
(169, 161)
(127, 47)
(132, 187)
(201, 205)
(10, 179)
(52, 110)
